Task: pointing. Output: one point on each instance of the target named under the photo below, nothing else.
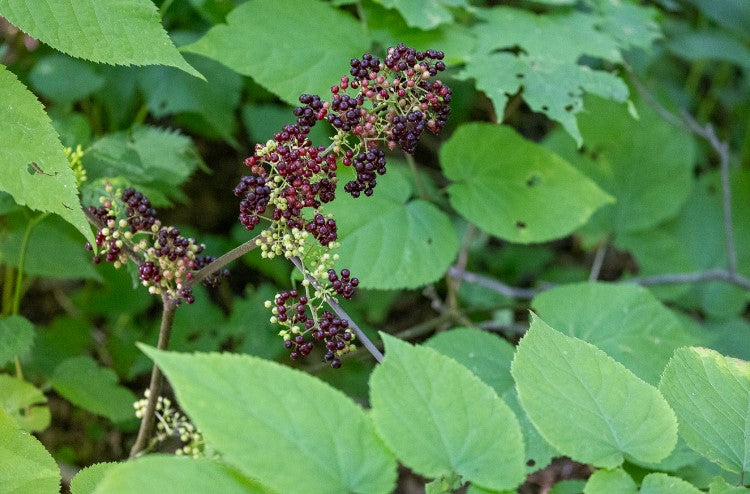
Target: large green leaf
(440, 419)
(288, 419)
(86, 479)
(106, 31)
(661, 483)
(64, 79)
(287, 46)
(16, 338)
(615, 481)
(711, 395)
(625, 321)
(385, 238)
(646, 164)
(26, 404)
(514, 188)
(25, 466)
(424, 14)
(33, 166)
(93, 388)
(602, 412)
(162, 474)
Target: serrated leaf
(615, 481)
(26, 404)
(270, 51)
(711, 395)
(26, 466)
(288, 417)
(33, 166)
(106, 31)
(424, 14)
(661, 483)
(440, 419)
(93, 388)
(16, 338)
(646, 164)
(513, 188)
(616, 413)
(85, 480)
(384, 237)
(625, 321)
(156, 161)
(162, 474)
(64, 79)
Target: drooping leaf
(162, 474)
(26, 467)
(85, 480)
(661, 483)
(270, 51)
(105, 31)
(384, 238)
(711, 395)
(615, 481)
(513, 188)
(288, 417)
(64, 79)
(424, 14)
(94, 388)
(625, 321)
(646, 164)
(25, 403)
(417, 395)
(33, 166)
(602, 411)
(16, 338)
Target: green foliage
(615, 481)
(24, 403)
(426, 14)
(658, 483)
(85, 480)
(25, 465)
(505, 185)
(16, 338)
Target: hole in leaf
(533, 180)
(519, 76)
(530, 463)
(520, 224)
(545, 108)
(568, 108)
(429, 240)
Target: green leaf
(625, 321)
(615, 481)
(424, 14)
(93, 388)
(440, 419)
(507, 185)
(162, 474)
(711, 395)
(85, 480)
(270, 53)
(661, 483)
(249, 324)
(385, 239)
(602, 411)
(710, 45)
(106, 31)
(26, 404)
(64, 79)
(572, 486)
(156, 161)
(288, 417)
(646, 164)
(720, 486)
(33, 166)
(539, 453)
(25, 466)
(16, 338)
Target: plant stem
(8, 289)
(417, 177)
(340, 312)
(154, 388)
(222, 261)
(492, 284)
(596, 266)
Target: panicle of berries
(168, 259)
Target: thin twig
(492, 284)
(340, 312)
(708, 275)
(596, 266)
(222, 261)
(154, 388)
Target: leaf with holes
(105, 31)
(270, 52)
(616, 413)
(711, 395)
(513, 188)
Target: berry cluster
(173, 424)
(167, 259)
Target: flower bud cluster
(172, 424)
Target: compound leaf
(711, 395)
(440, 419)
(616, 413)
(33, 166)
(105, 31)
(514, 188)
(26, 465)
(289, 418)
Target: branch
(222, 261)
(340, 312)
(492, 284)
(154, 388)
(708, 275)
